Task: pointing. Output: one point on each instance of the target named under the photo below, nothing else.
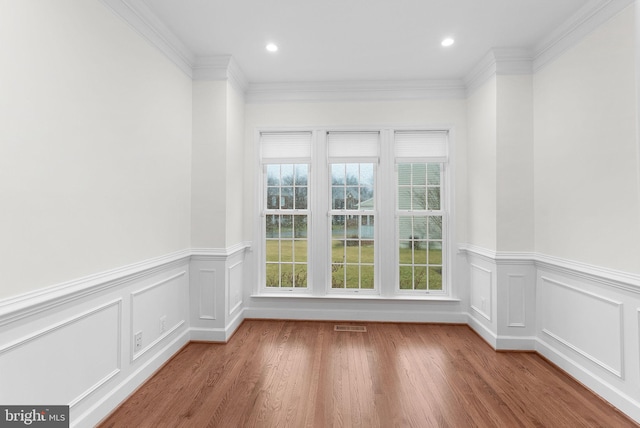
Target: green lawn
(352, 265)
(288, 251)
(426, 273)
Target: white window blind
(423, 146)
(345, 146)
(285, 147)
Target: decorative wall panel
(64, 363)
(585, 322)
(481, 290)
(517, 304)
(235, 287)
(207, 287)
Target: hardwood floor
(305, 374)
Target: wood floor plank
(305, 374)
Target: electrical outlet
(163, 323)
(137, 341)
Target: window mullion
(318, 205)
(386, 255)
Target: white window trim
(319, 254)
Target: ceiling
(358, 40)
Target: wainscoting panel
(157, 310)
(235, 287)
(516, 315)
(481, 291)
(216, 298)
(207, 286)
(76, 342)
(66, 362)
(72, 344)
(594, 328)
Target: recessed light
(271, 47)
(447, 42)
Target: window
(353, 157)
(286, 208)
(352, 225)
(421, 219)
(286, 223)
(354, 212)
(419, 226)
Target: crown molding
(220, 67)
(499, 61)
(142, 20)
(211, 67)
(510, 61)
(573, 30)
(237, 77)
(355, 91)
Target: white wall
(218, 132)
(95, 145)
(235, 165)
(481, 166)
(95, 163)
(587, 205)
(514, 164)
(209, 178)
(587, 212)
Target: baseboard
(233, 325)
(482, 331)
(623, 402)
(515, 343)
(355, 315)
(217, 335)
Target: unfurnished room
(322, 213)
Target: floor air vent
(357, 328)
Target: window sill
(396, 298)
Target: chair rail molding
(31, 303)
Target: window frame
(387, 284)
(262, 192)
